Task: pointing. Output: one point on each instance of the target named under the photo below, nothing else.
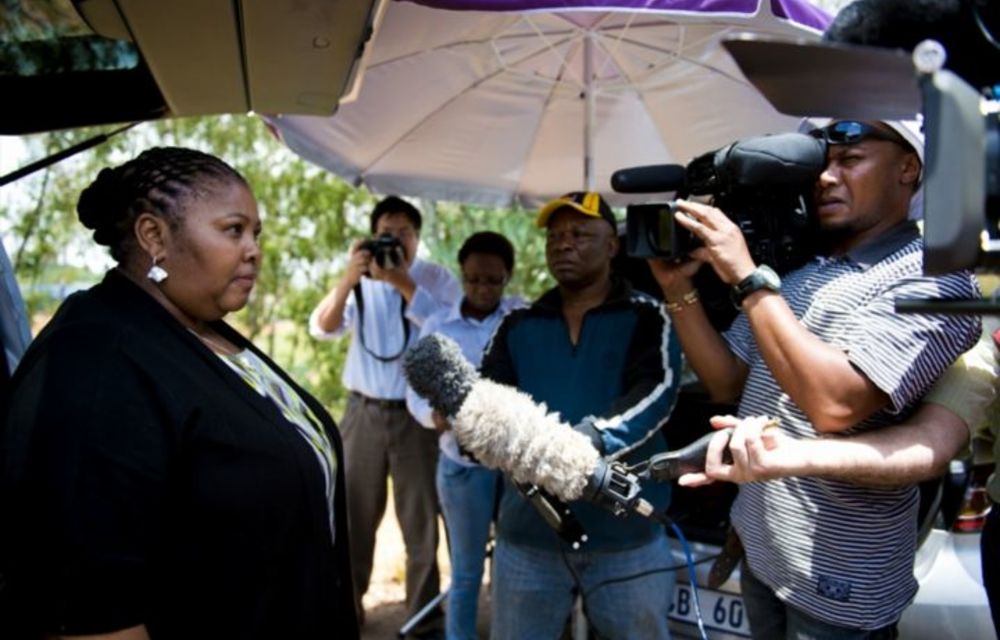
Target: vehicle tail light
(973, 511)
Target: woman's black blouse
(143, 482)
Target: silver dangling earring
(157, 273)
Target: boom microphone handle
(556, 514)
(690, 459)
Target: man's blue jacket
(624, 371)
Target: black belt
(379, 402)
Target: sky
(11, 155)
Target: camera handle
(361, 327)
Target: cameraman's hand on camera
(723, 244)
(674, 277)
(759, 450)
(357, 264)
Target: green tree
(42, 230)
(309, 219)
(456, 222)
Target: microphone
(505, 429)
(653, 178)
(961, 26)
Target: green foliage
(453, 223)
(42, 226)
(309, 219)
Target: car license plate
(719, 610)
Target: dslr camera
(386, 250)
(764, 184)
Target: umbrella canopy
(518, 101)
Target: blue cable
(691, 574)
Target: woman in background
(468, 491)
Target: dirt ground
(385, 610)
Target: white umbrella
(521, 105)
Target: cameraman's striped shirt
(839, 552)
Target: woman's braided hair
(161, 181)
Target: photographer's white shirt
(436, 289)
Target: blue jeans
(533, 591)
(467, 496)
(772, 619)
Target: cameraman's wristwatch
(763, 277)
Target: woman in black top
(161, 477)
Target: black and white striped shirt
(843, 553)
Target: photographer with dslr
(825, 353)
(383, 298)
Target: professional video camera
(894, 59)
(764, 184)
(386, 250)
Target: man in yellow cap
(604, 357)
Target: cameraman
(824, 352)
(382, 300)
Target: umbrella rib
(608, 33)
(617, 40)
(556, 33)
(548, 100)
(564, 67)
(538, 125)
(479, 81)
(682, 58)
(681, 26)
(464, 43)
(640, 95)
(551, 39)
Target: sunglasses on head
(853, 132)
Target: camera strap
(361, 326)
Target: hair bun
(102, 205)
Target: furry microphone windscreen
(502, 427)
(966, 28)
(438, 372)
(507, 430)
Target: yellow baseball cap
(589, 203)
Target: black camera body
(386, 250)
(650, 231)
(764, 184)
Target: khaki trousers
(381, 439)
